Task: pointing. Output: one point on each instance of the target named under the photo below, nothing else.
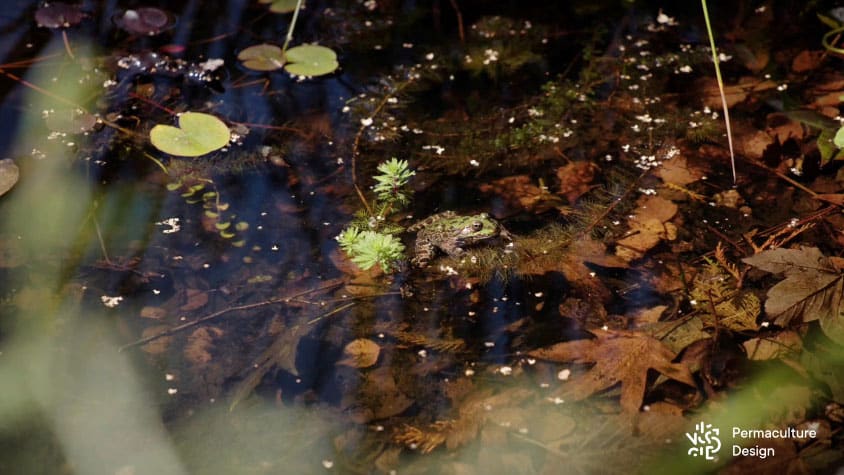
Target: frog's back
(431, 220)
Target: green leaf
(311, 60)
(826, 20)
(826, 146)
(838, 140)
(281, 6)
(263, 57)
(197, 134)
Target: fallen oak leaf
(620, 357)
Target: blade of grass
(720, 87)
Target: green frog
(451, 234)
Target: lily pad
(9, 175)
(281, 6)
(311, 60)
(58, 15)
(197, 134)
(144, 21)
(263, 57)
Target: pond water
(454, 237)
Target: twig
(459, 21)
(67, 45)
(359, 134)
(211, 316)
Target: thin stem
(100, 235)
(460, 31)
(825, 41)
(157, 162)
(720, 87)
(292, 26)
(67, 45)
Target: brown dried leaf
(195, 299)
(159, 345)
(773, 347)
(198, 348)
(807, 60)
(155, 313)
(648, 226)
(678, 171)
(576, 179)
(360, 353)
(734, 93)
(620, 357)
(812, 288)
(677, 334)
(753, 144)
(572, 263)
(520, 193)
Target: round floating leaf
(9, 175)
(144, 21)
(311, 60)
(263, 57)
(197, 134)
(58, 15)
(281, 6)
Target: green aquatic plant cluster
(307, 60)
(368, 248)
(370, 239)
(196, 191)
(391, 185)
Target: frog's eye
(477, 226)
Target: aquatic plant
(378, 244)
(367, 248)
(60, 15)
(197, 134)
(303, 60)
(391, 184)
(148, 21)
(720, 87)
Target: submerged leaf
(620, 357)
(812, 288)
(196, 135)
(311, 60)
(58, 15)
(360, 353)
(144, 21)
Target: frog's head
(478, 228)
